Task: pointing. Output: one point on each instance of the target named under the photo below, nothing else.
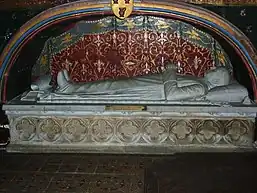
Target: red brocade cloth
(117, 53)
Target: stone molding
(119, 131)
(157, 130)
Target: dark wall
(244, 17)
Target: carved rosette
(236, 132)
(49, 130)
(76, 129)
(180, 131)
(128, 131)
(26, 129)
(102, 130)
(155, 131)
(208, 131)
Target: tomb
(160, 78)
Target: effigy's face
(122, 8)
(218, 77)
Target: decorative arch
(182, 11)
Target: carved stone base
(57, 130)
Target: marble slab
(155, 129)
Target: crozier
(127, 86)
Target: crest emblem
(122, 8)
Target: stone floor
(83, 173)
(203, 173)
(51, 173)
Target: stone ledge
(157, 150)
(152, 110)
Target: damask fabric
(112, 48)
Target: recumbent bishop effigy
(216, 87)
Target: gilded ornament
(122, 8)
(160, 24)
(67, 38)
(221, 57)
(193, 35)
(43, 60)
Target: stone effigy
(215, 87)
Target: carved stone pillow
(218, 77)
(230, 93)
(42, 83)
